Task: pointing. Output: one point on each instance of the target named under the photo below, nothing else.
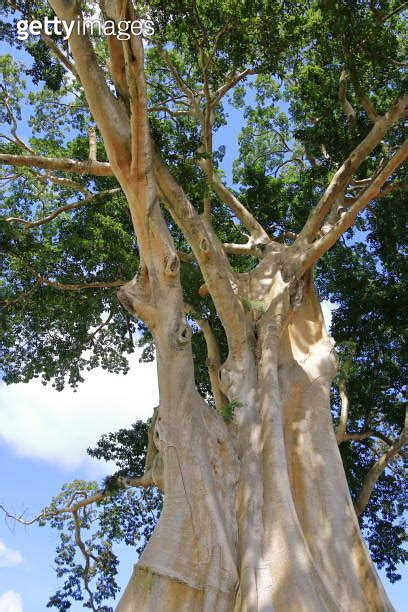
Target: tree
(257, 514)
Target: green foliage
(123, 516)
(227, 411)
(116, 447)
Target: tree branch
(239, 210)
(72, 507)
(378, 468)
(234, 80)
(62, 209)
(323, 244)
(347, 108)
(391, 187)
(89, 167)
(17, 140)
(248, 248)
(343, 175)
(362, 436)
(363, 97)
(255, 229)
(87, 557)
(342, 426)
(76, 287)
(110, 116)
(92, 144)
(213, 358)
(67, 286)
(13, 129)
(141, 141)
(64, 59)
(210, 255)
(21, 296)
(189, 93)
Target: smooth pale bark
(257, 515)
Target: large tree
(257, 513)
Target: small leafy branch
(227, 411)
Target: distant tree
(122, 173)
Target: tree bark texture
(257, 514)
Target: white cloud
(39, 422)
(9, 557)
(11, 602)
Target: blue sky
(43, 437)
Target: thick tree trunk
(257, 515)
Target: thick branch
(139, 122)
(89, 167)
(323, 244)
(219, 277)
(343, 175)
(248, 248)
(110, 116)
(237, 208)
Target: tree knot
(172, 265)
(181, 337)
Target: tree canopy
(309, 80)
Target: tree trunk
(257, 514)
